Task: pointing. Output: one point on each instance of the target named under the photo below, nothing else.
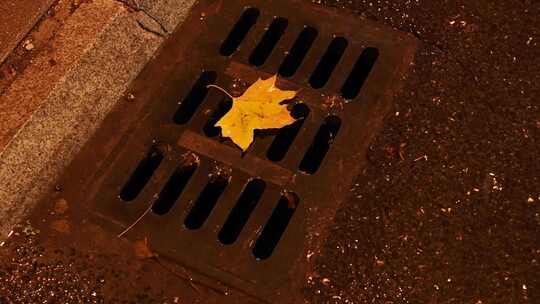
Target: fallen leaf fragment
(142, 251)
(61, 206)
(61, 226)
(259, 108)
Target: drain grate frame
(128, 133)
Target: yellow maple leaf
(259, 108)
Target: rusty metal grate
(248, 221)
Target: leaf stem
(220, 89)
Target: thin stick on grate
(136, 221)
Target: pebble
(28, 45)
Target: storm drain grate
(249, 221)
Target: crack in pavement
(150, 25)
(134, 5)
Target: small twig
(423, 156)
(136, 221)
(220, 89)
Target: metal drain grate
(248, 221)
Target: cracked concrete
(146, 20)
(167, 19)
(68, 100)
(154, 18)
(150, 24)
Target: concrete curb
(101, 49)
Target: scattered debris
(379, 262)
(333, 103)
(423, 156)
(28, 45)
(130, 97)
(402, 151)
(28, 230)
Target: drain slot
(239, 215)
(269, 40)
(142, 174)
(321, 144)
(286, 135)
(239, 31)
(276, 226)
(298, 52)
(206, 202)
(222, 108)
(173, 188)
(359, 73)
(193, 100)
(328, 62)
